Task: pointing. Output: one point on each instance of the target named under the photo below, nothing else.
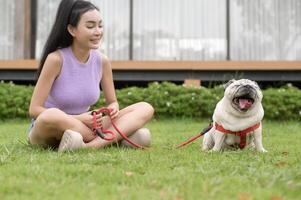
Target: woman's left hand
(114, 107)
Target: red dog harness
(242, 134)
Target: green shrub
(282, 103)
(168, 99)
(14, 100)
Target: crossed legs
(50, 126)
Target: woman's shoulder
(104, 59)
(53, 63)
(55, 58)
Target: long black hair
(69, 12)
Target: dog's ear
(256, 84)
(229, 83)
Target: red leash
(242, 134)
(101, 132)
(205, 130)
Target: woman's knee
(147, 108)
(50, 117)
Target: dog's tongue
(245, 103)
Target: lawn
(160, 172)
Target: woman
(69, 75)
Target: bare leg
(52, 123)
(142, 137)
(50, 126)
(130, 119)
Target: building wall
(12, 30)
(178, 29)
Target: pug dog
(237, 118)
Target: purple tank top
(77, 87)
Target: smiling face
(89, 30)
(243, 94)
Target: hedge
(168, 99)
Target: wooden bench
(191, 68)
(173, 65)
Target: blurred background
(257, 39)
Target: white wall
(178, 29)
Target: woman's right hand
(87, 119)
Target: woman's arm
(51, 70)
(108, 88)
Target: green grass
(161, 172)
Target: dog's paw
(262, 150)
(205, 148)
(214, 150)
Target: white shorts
(30, 129)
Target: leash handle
(101, 131)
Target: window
(265, 30)
(179, 30)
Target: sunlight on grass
(160, 172)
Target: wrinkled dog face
(243, 94)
